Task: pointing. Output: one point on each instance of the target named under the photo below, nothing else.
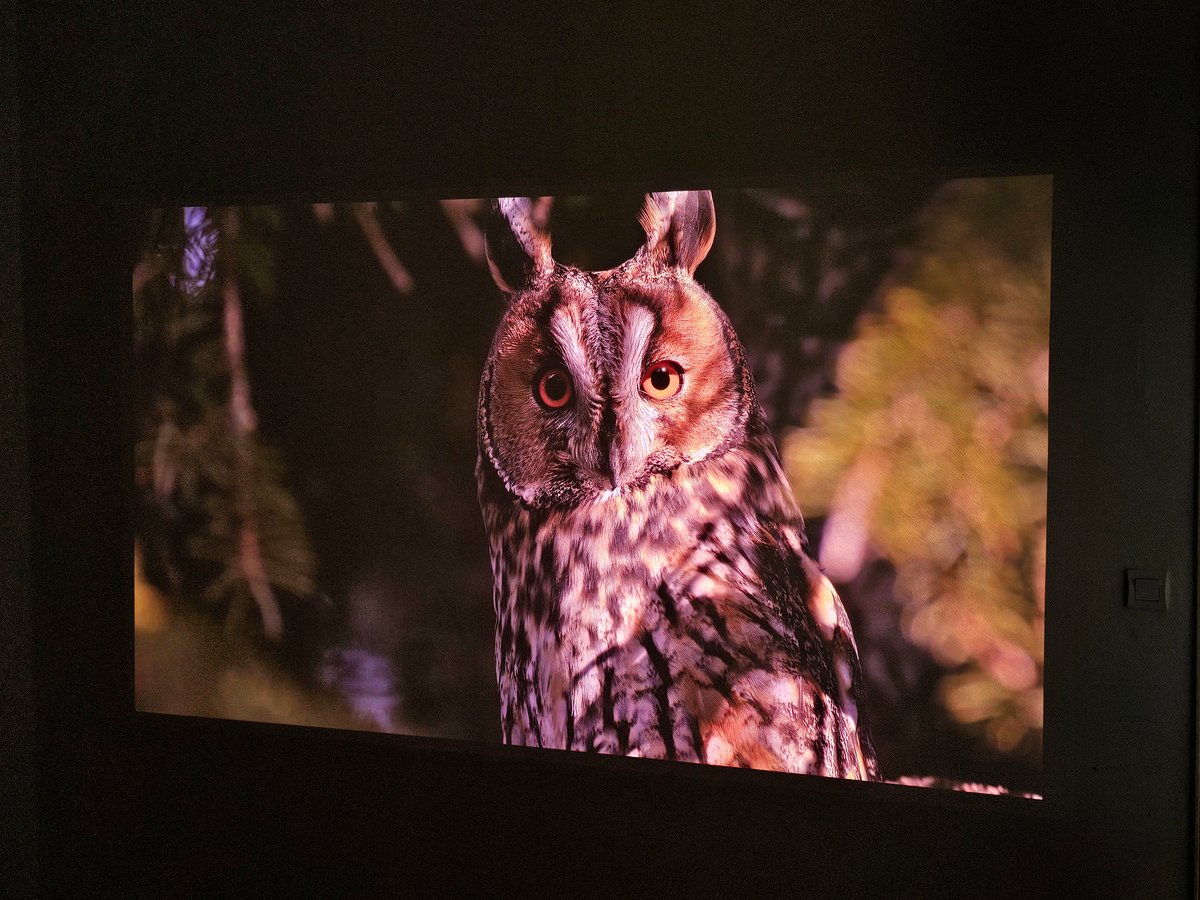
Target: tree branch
(245, 422)
(368, 221)
(470, 235)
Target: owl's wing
(765, 655)
(833, 625)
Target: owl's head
(600, 381)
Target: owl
(655, 594)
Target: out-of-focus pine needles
(932, 453)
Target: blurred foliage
(195, 467)
(932, 452)
(193, 503)
(259, 229)
(293, 478)
(187, 664)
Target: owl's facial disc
(597, 386)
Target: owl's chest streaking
(682, 619)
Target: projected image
(750, 478)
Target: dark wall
(182, 104)
(17, 811)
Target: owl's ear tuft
(518, 244)
(680, 226)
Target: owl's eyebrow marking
(639, 328)
(566, 329)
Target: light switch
(1146, 589)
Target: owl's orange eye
(662, 380)
(553, 388)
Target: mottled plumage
(654, 592)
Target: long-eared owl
(654, 590)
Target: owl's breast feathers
(684, 620)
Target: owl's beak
(609, 443)
(624, 448)
(614, 469)
(608, 466)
